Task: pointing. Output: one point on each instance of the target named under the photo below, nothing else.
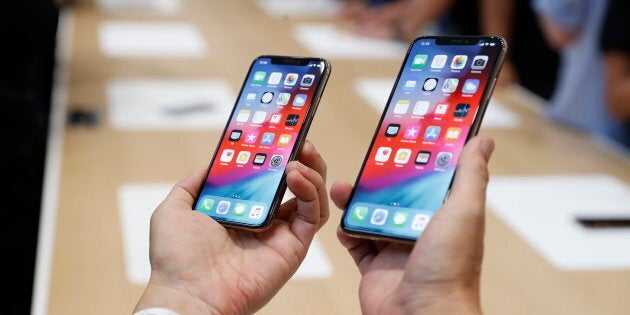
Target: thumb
(186, 190)
(471, 180)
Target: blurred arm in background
(497, 18)
(616, 46)
(402, 19)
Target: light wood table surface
(88, 275)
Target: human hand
(440, 273)
(200, 267)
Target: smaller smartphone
(436, 106)
(245, 181)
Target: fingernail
(487, 147)
(300, 165)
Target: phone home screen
(248, 167)
(410, 166)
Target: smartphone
(435, 107)
(245, 181)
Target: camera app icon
(479, 62)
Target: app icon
(439, 61)
(276, 160)
(402, 156)
(452, 134)
(420, 222)
(267, 138)
(206, 204)
(401, 107)
(359, 213)
(421, 108)
(284, 140)
(379, 216)
(256, 212)
(459, 62)
(479, 62)
(470, 86)
(243, 115)
(274, 78)
(250, 97)
(432, 133)
(291, 79)
(429, 84)
(235, 135)
(307, 80)
(392, 130)
(443, 159)
(423, 157)
(259, 77)
(410, 85)
(227, 155)
(419, 61)
(461, 110)
(251, 136)
(450, 85)
(239, 208)
(259, 117)
(399, 218)
(243, 157)
(412, 132)
(292, 120)
(440, 109)
(299, 100)
(266, 98)
(382, 154)
(259, 158)
(275, 118)
(283, 99)
(223, 207)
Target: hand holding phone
(188, 245)
(440, 273)
(436, 106)
(246, 179)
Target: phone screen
(438, 97)
(245, 180)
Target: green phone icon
(359, 213)
(206, 204)
(259, 77)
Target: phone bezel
(273, 207)
(474, 127)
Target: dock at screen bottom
(394, 221)
(236, 210)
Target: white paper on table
(300, 8)
(136, 203)
(328, 40)
(499, 116)
(150, 39)
(376, 91)
(140, 6)
(153, 104)
(543, 210)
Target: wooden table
(87, 271)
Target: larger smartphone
(245, 181)
(437, 104)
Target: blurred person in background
(531, 62)
(615, 43)
(28, 29)
(574, 28)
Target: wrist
(459, 300)
(172, 297)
